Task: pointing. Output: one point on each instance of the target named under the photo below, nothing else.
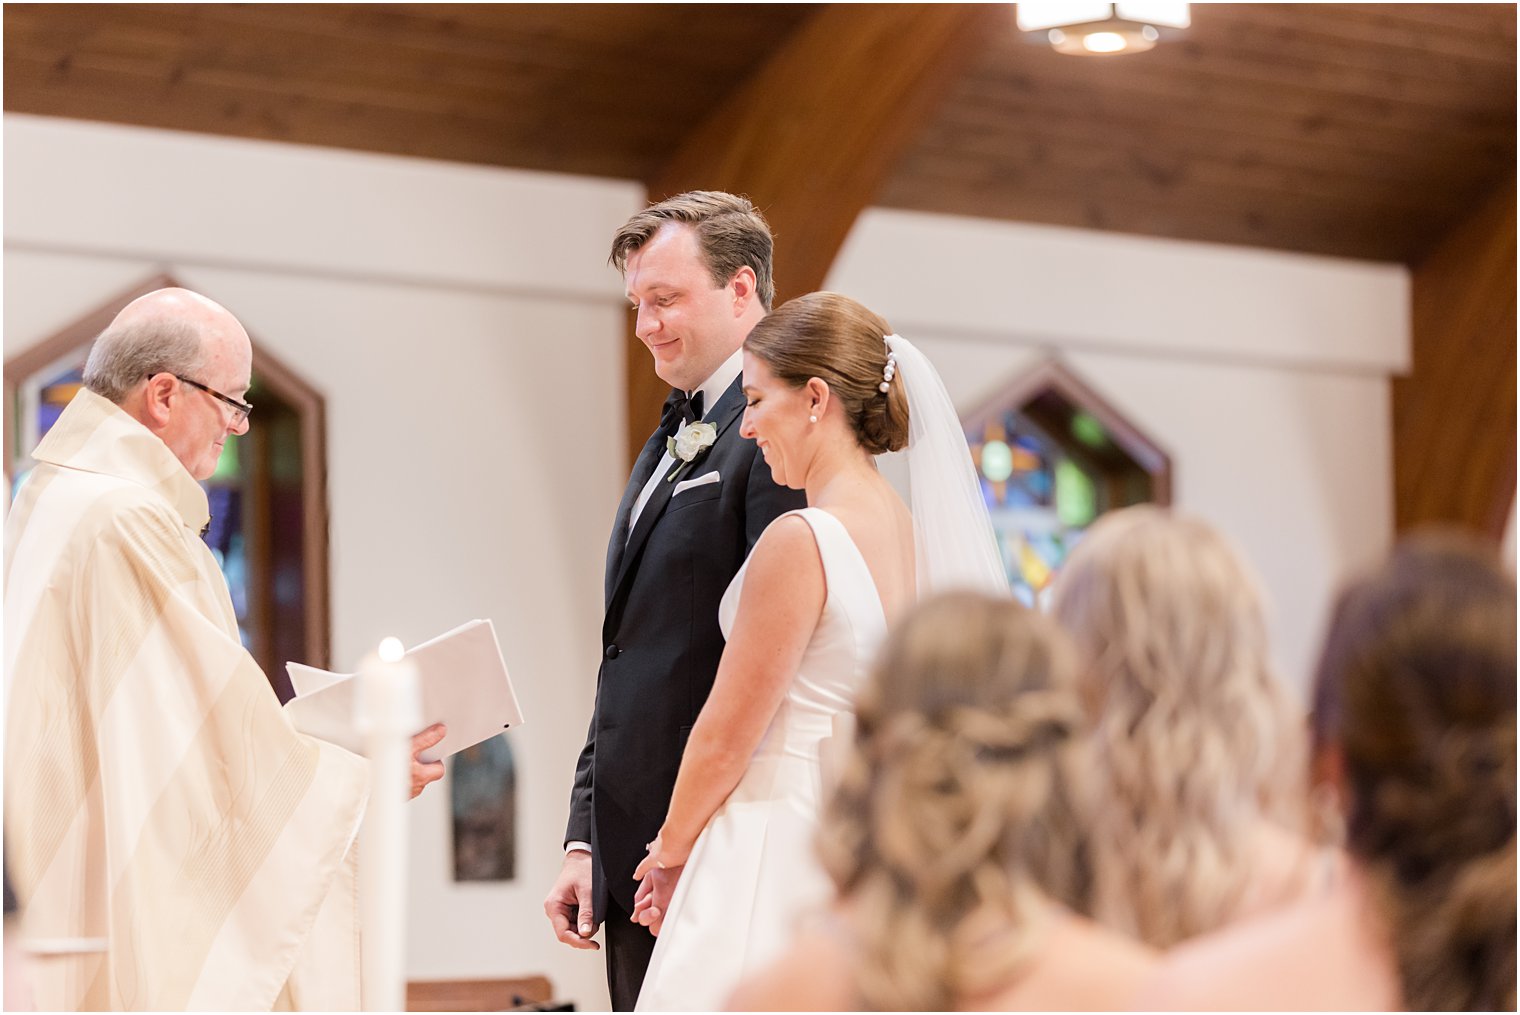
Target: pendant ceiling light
(1089, 29)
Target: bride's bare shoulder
(786, 542)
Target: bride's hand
(652, 900)
(661, 857)
(645, 912)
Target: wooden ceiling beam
(1454, 414)
(811, 136)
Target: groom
(697, 268)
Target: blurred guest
(1414, 730)
(1198, 749)
(952, 838)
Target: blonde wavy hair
(1416, 694)
(1196, 738)
(956, 813)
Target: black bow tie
(681, 409)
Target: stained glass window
(44, 400)
(1051, 457)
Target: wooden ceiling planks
(538, 86)
(1340, 129)
(1362, 130)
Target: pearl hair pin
(888, 372)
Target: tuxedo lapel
(645, 464)
(723, 416)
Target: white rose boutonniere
(689, 442)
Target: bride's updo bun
(835, 339)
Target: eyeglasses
(240, 410)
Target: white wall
(467, 335)
(1262, 374)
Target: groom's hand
(569, 903)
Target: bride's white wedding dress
(753, 872)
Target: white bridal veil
(956, 545)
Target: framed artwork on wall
(483, 805)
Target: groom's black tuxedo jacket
(660, 638)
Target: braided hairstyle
(1416, 693)
(1196, 740)
(955, 816)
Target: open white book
(463, 680)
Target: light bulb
(1104, 42)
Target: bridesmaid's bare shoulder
(813, 974)
(1081, 967)
(1314, 955)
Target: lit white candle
(390, 709)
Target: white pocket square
(684, 485)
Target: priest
(173, 841)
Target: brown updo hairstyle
(835, 339)
(1416, 692)
(957, 812)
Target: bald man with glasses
(174, 843)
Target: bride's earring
(812, 419)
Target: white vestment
(173, 842)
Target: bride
(828, 388)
